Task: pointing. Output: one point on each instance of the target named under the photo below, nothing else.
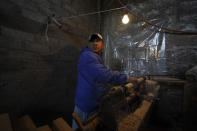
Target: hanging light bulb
(125, 19)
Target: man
(92, 77)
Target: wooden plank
(61, 125)
(5, 123)
(44, 128)
(169, 80)
(24, 124)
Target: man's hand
(132, 79)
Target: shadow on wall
(57, 98)
(12, 16)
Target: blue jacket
(92, 77)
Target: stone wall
(37, 76)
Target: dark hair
(95, 38)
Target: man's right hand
(132, 79)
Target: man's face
(96, 46)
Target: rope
(94, 13)
(70, 17)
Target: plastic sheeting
(139, 49)
(138, 57)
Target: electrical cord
(167, 30)
(164, 28)
(46, 32)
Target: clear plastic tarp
(139, 49)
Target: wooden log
(91, 126)
(24, 124)
(133, 121)
(168, 80)
(5, 123)
(44, 128)
(140, 80)
(78, 121)
(143, 110)
(61, 125)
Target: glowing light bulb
(125, 19)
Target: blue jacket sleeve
(102, 74)
(105, 75)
